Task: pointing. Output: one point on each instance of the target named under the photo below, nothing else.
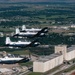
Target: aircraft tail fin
(7, 40)
(17, 30)
(23, 27)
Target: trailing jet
(44, 30)
(28, 34)
(12, 59)
(20, 44)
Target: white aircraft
(20, 44)
(28, 34)
(12, 59)
(44, 30)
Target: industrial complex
(62, 54)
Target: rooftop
(71, 48)
(49, 57)
(52, 56)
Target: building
(62, 53)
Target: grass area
(66, 70)
(16, 51)
(6, 29)
(27, 63)
(70, 69)
(24, 51)
(39, 12)
(21, 52)
(35, 73)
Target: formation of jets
(24, 32)
(29, 33)
(24, 29)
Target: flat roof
(71, 48)
(49, 57)
(52, 56)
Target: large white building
(62, 53)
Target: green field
(36, 14)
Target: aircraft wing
(34, 43)
(44, 30)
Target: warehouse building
(62, 53)
(70, 53)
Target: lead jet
(28, 34)
(20, 44)
(44, 30)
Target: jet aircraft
(12, 59)
(20, 44)
(24, 29)
(29, 34)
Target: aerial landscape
(37, 37)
